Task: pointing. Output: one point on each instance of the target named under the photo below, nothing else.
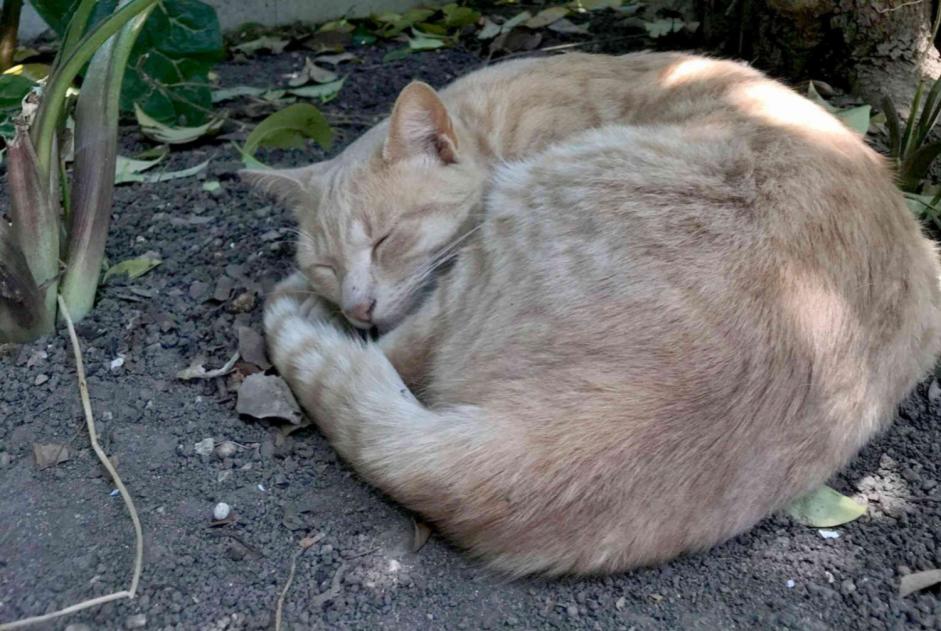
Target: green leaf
(288, 128)
(490, 29)
(456, 16)
(547, 17)
(421, 42)
(131, 170)
(132, 268)
(515, 21)
(662, 27)
(595, 5)
(397, 54)
(893, 125)
(57, 13)
(915, 167)
(272, 44)
(825, 508)
(168, 72)
(13, 88)
(325, 92)
(856, 118)
(391, 24)
(156, 130)
(227, 94)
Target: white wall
(234, 13)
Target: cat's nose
(361, 311)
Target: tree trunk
(872, 47)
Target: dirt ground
(64, 536)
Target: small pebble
(116, 363)
(226, 449)
(40, 379)
(137, 621)
(829, 534)
(221, 511)
(204, 447)
(790, 583)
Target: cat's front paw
(296, 294)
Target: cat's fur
(660, 331)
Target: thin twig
(901, 6)
(106, 463)
(306, 544)
(279, 609)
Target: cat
(680, 296)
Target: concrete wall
(234, 13)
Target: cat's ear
(295, 188)
(420, 124)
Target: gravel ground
(65, 536)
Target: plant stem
(53, 99)
(9, 25)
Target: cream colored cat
(655, 332)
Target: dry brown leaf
(50, 454)
(421, 535)
(196, 370)
(252, 347)
(268, 396)
(918, 581)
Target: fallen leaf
(856, 118)
(664, 26)
(420, 42)
(515, 21)
(325, 91)
(132, 268)
(547, 17)
(196, 370)
(420, 536)
(918, 581)
(311, 72)
(227, 94)
(131, 170)
(267, 396)
(50, 454)
(154, 129)
(288, 128)
(456, 16)
(825, 508)
(567, 27)
(252, 347)
(212, 186)
(595, 5)
(336, 60)
(490, 29)
(265, 42)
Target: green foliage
(287, 129)
(825, 508)
(168, 71)
(12, 90)
(32, 248)
(909, 147)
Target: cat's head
(377, 219)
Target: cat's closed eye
(380, 241)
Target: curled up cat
(678, 295)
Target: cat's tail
(466, 471)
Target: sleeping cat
(681, 295)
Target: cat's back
(681, 267)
